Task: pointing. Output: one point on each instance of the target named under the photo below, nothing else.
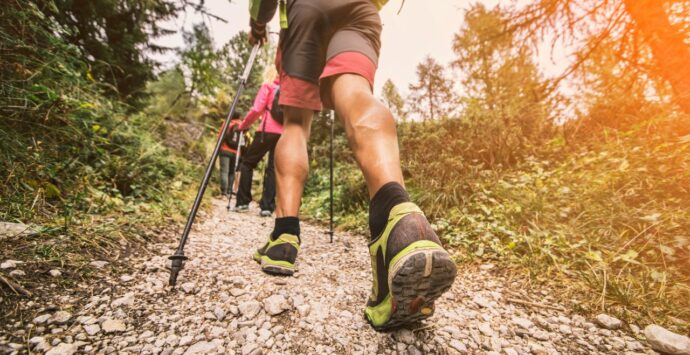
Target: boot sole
(415, 282)
(276, 269)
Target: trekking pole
(178, 258)
(236, 175)
(332, 119)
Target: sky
(423, 27)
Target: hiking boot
(242, 208)
(411, 270)
(277, 257)
(265, 213)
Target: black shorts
(318, 30)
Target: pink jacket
(262, 103)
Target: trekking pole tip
(175, 267)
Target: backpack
(232, 136)
(276, 111)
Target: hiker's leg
(250, 160)
(291, 160)
(231, 173)
(268, 195)
(370, 130)
(224, 170)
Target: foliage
(392, 99)
(506, 104)
(73, 161)
(200, 59)
(112, 37)
(432, 96)
(647, 35)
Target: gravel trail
(224, 304)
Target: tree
(432, 96)
(392, 99)
(505, 102)
(200, 59)
(113, 36)
(233, 58)
(648, 35)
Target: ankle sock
(289, 225)
(387, 197)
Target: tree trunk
(671, 53)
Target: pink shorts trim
(300, 93)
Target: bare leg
(370, 129)
(291, 161)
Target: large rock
(63, 349)
(98, 264)
(608, 322)
(249, 309)
(60, 317)
(113, 326)
(458, 346)
(8, 229)
(9, 264)
(204, 347)
(522, 322)
(276, 304)
(126, 300)
(188, 287)
(91, 329)
(41, 319)
(666, 341)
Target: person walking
(328, 53)
(265, 139)
(228, 151)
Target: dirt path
(225, 304)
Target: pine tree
(392, 99)
(432, 95)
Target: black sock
(289, 225)
(387, 197)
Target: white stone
(126, 300)
(60, 317)
(523, 323)
(99, 264)
(92, 329)
(485, 328)
(63, 349)
(126, 278)
(249, 348)
(219, 313)
(113, 326)
(55, 273)
(249, 309)
(666, 341)
(608, 322)
(9, 264)
(303, 310)
(458, 345)
(188, 287)
(405, 336)
(17, 273)
(186, 340)
(481, 301)
(9, 229)
(276, 304)
(41, 319)
(203, 347)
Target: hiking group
(327, 57)
(263, 142)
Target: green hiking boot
(277, 257)
(411, 270)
